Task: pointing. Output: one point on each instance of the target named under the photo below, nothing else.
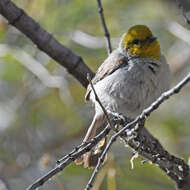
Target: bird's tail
(90, 159)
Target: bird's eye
(136, 42)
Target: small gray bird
(129, 80)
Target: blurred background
(42, 110)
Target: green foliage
(12, 70)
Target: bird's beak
(151, 39)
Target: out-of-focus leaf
(11, 70)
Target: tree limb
(148, 146)
(45, 41)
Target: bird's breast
(129, 90)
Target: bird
(132, 77)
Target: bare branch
(183, 169)
(83, 144)
(45, 41)
(106, 32)
(68, 159)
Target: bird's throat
(147, 51)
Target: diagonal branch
(174, 167)
(73, 155)
(106, 32)
(45, 41)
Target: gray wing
(111, 64)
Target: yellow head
(140, 42)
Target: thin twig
(143, 115)
(98, 100)
(83, 144)
(106, 32)
(70, 158)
